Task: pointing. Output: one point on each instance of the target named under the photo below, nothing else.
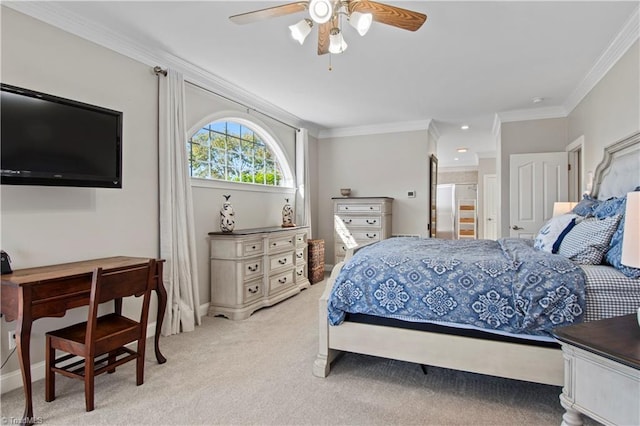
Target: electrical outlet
(12, 340)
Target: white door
(490, 203)
(536, 182)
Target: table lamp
(562, 207)
(631, 236)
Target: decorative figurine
(227, 216)
(287, 215)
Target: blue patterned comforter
(504, 285)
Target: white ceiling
(469, 61)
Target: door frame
(485, 204)
(575, 157)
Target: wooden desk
(49, 291)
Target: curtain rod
(158, 70)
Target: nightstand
(601, 371)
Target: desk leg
(23, 347)
(161, 292)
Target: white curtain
(303, 198)
(177, 226)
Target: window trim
(268, 137)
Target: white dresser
(254, 268)
(360, 220)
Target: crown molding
(50, 13)
(621, 43)
(434, 131)
(407, 126)
(532, 114)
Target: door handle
(516, 228)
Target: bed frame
(510, 360)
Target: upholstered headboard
(619, 171)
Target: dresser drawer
(301, 272)
(358, 208)
(281, 281)
(362, 221)
(301, 255)
(280, 261)
(301, 239)
(251, 248)
(252, 268)
(341, 250)
(283, 243)
(366, 236)
(252, 290)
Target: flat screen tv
(48, 140)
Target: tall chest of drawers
(254, 268)
(360, 220)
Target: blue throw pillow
(614, 255)
(586, 206)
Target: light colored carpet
(258, 371)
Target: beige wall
(385, 165)
(523, 137)
(611, 111)
(48, 225)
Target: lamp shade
(562, 207)
(361, 22)
(336, 42)
(301, 30)
(631, 235)
(320, 10)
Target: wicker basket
(316, 260)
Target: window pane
(233, 128)
(234, 152)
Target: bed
(523, 349)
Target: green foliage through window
(230, 151)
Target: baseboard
(203, 310)
(13, 379)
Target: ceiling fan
(327, 15)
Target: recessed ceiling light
(462, 149)
(455, 158)
(537, 100)
(465, 127)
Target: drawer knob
(370, 207)
(253, 290)
(253, 268)
(348, 221)
(253, 247)
(299, 273)
(371, 222)
(299, 255)
(282, 280)
(273, 244)
(371, 235)
(282, 261)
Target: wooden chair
(100, 341)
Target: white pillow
(551, 231)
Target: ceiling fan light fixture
(336, 41)
(320, 10)
(361, 22)
(301, 30)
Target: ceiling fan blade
(270, 12)
(323, 37)
(390, 15)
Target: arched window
(237, 151)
